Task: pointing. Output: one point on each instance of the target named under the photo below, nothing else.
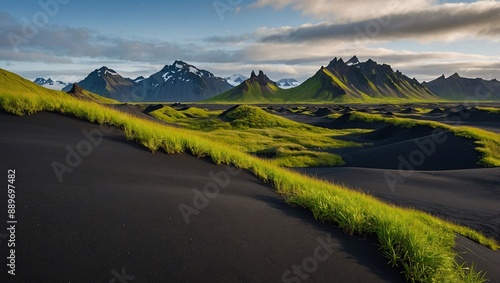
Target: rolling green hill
(259, 88)
(30, 94)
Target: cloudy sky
(67, 39)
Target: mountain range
(351, 81)
(51, 84)
(456, 87)
(177, 82)
(339, 81)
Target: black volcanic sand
(467, 197)
(117, 215)
(418, 148)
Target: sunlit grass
(252, 130)
(493, 110)
(422, 245)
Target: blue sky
(285, 38)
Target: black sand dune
(116, 216)
(323, 122)
(418, 148)
(468, 197)
(324, 111)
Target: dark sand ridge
(468, 197)
(475, 118)
(119, 211)
(421, 148)
(478, 119)
(390, 146)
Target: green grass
(493, 110)
(488, 143)
(417, 242)
(253, 130)
(249, 92)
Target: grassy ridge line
(422, 244)
(488, 143)
(255, 131)
(490, 109)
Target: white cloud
(436, 23)
(348, 10)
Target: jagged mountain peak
(139, 79)
(336, 62)
(455, 76)
(50, 84)
(261, 78)
(42, 81)
(180, 63)
(353, 61)
(180, 67)
(105, 71)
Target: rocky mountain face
(458, 88)
(351, 81)
(107, 83)
(182, 82)
(179, 82)
(359, 81)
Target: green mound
(194, 112)
(245, 116)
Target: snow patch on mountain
(51, 84)
(287, 83)
(235, 79)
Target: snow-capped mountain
(236, 79)
(50, 84)
(182, 82)
(287, 83)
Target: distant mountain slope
(287, 83)
(458, 88)
(236, 79)
(258, 88)
(353, 81)
(182, 82)
(51, 84)
(179, 82)
(107, 83)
